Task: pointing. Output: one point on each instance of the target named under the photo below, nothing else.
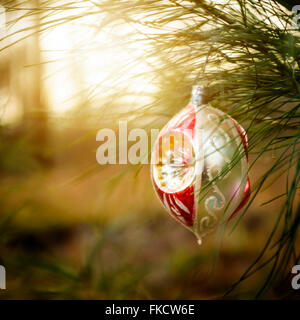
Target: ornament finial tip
(199, 241)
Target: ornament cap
(197, 95)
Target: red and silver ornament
(199, 166)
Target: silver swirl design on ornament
(217, 204)
(212, 203)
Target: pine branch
(289, 4)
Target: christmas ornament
(199, 166)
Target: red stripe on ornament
(179, 204)
(246, 196)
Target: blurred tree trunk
(35, 107)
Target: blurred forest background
(72, 229)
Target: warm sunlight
(83, 60)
